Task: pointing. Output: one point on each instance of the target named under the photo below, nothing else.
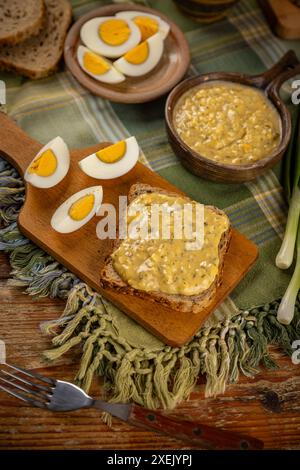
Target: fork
(58, 395)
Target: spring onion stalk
(291, 238)
(291, 183)
(285, 255)
(291, 180)
(286, 308)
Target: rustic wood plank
(4, 266)
(266, 407)
(20, 317)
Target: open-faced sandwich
(168, 270)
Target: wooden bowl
(169, 71)
(269, 82)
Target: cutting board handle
(16, 146)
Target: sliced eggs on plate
(50, 165)
(143, 58)
(97, 67)
(110, 36)
(112, 161)
(77, 210)
(147, 23)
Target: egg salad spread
(167, 265)
(228, 122)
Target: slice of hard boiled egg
(110, 36)
(112, 161)
(77, 210)
(147, 23)
(142, 58)
(50, 165)
(98, 67)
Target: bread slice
(39, 56)
(195, 303)
(20, 19)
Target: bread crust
(27, 28)
(195, 303)
(18, 58)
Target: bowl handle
(285, 68)
(274, 87)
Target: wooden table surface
(267, 406)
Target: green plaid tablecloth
(242, 42)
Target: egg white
(163, 26)
(95, 168)
(63, 223)
(90, 37)
(62, 154)
(111, 76)
(156, 47)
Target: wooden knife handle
(192, 432)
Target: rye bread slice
(194, 303)
(20, 19)
(38, 56)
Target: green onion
(286, 308)
(285, 255)
(284, 259)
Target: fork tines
(12, 381)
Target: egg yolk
(113, 153)
(95, 64)
(44, 165)
(81, 208)
(148, 26)
(114, 32)
(138, 54)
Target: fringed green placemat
(136, 365)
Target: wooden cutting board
(283, 16)
(84, 254)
